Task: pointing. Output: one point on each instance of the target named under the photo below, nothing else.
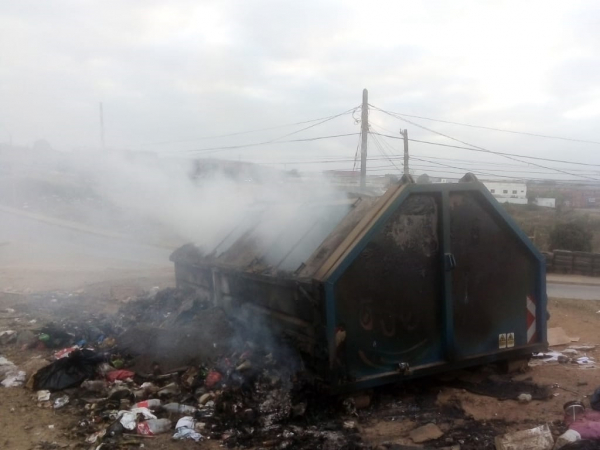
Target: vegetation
(539, 223)
(571, 236)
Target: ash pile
(170, 363)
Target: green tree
(570, 236)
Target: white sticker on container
(510, 340)
(502, 340)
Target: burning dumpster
(424, 279)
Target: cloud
(183, 69)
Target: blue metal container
(424, 279)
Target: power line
(239, 133)
(357, 149)
(497, 164)
(481, 148)
(477, 171)
(495, 152)
(234, 147)
(503, 130)
(382, 150)
(463, 171)
(460, 168)
(316, 124)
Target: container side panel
(388, 302)
(494, 282)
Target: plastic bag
(67, 372)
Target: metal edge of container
(357, 240)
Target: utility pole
(102, 125)
(405, 135)
(364, 122)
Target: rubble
(211, 379)
(539, 438)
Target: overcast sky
(180, 70)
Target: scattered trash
(524, 398)
(204, 398)
(43, 396)
(176, 408)
(61, 401)
(154, 426)
(14, 379)
(67, 372)
(95, 385)
(564, 357)
(185, 429)
(119, 375)
(539, 438)
(566, 438)
(585, 360)
(150, 404)
(129, 419)
(10, 374)
(94, 437)
(212, 379)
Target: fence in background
(580, 263)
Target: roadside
(464, 418)
(558, 278)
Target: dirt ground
(389, 418)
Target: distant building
(545, 202)
(508, 191)
(571, 195)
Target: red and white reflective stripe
(531, 322)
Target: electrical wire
(585, 141)
(484, 151)
(382, 151)
(357, 149)
(481, 148)
(497, 170)
(239, 133)
(234, 147)
(495, 152)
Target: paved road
(578, 291)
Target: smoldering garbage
(69, 371)
(168, 364)
(203, 378)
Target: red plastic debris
(65, 352)
(212, 379)
(115, 375)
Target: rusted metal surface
(388, 300)
(492, 280)
(424, 279)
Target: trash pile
(169, 363)
(572, 355)
(10, 375)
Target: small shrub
(570, 236)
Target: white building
(508, 191)
(545, 202)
